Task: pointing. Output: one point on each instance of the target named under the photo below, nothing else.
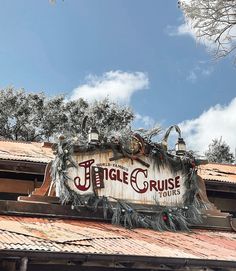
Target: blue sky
(133, 51)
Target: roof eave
(138, 260)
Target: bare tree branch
(213, 21)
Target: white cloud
(141, 121)
(192, 77)
(117, 85)
(218, 121)
(183, 29)
(227, 38)
(186, 29)
(208, 71)
(199, 71)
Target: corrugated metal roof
(35, 152)
(218, 172)
(25, 151)
(74, 236)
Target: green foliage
(35, 117)
(219, 152)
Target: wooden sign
(127, 179)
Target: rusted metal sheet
(128, 179)
(76, 236)
(52, 230)
(25, 151)
(218, 172)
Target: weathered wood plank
(68, 267)
(46, 189)
(65, 211)
(22, 166)
(39, 199)
(16, 186)
(52, 210)
(8, 266)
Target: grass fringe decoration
(164, 218)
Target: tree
(219, 152)
(213, 21)
(35, 117)
(19, 114)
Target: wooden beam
(16, 186)
(47, 188)
(68, 267)
(117, 258)
(22, 167)
(221, 186)
(8, 266)
(39, 199)
(8, 207)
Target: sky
(137, 52)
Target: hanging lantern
(180, 147)
(93, 136)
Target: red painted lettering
(112, 174)
(105, 172)
(125, 177)
(177, 184)
(153, 185)
(160, 185)
(134, 181)
(171, 183)
(118, 177)
(85, 184)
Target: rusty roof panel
(218, 172)
(35, 152)
(74, 236)
(25, 151)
